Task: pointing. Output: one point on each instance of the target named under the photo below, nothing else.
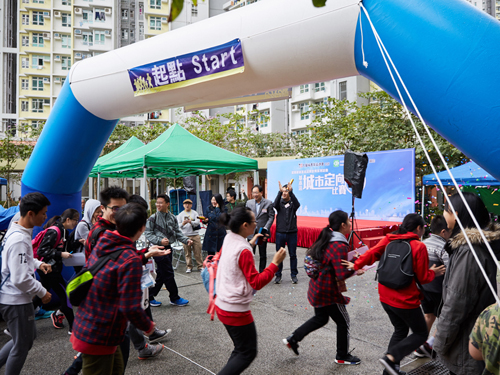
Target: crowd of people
(445, 289)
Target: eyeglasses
(75, 220)
(114, 208)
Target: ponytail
(335, 221)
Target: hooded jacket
(465, 296)
(83, 227)
(113, 299)
(409, 297)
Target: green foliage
(176, 8)
(319, 3)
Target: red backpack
(39, 237)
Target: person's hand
(151, 331)
(242, 191)
(190, 242)
(45, 268)
(82, 241)
(289, 186)
(347, 264)
(66, 255)
(253, 241)
(360, 272)
(439, 271)
(165, 242)
(279, 256)
(46, 298)
(281, 186)
(156, 251)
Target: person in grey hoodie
(19, 285)
(92, 212)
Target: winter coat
(465, 296)
(83, 227)
(286, 217)
(49, 251)
(214, 236)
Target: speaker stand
(353, 233)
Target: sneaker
(294, 280)
(347, 360)
(425, 350)
(7, 332)
(277, 280)
(158, 335)
(42, 314)
(154, 303)
(150, 351)
(292, 344)
(57, 320)
(70, 332)
(390, 366)
(179, 302)
(189, 270)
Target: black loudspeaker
(354, 171)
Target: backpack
(79, 285)
(208, 275)
(395, 268)
(37, 241)
(2, 245)
(75, 246)
(313, 267)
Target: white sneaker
(6, 331)
(188, 270)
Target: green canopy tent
(176, 153)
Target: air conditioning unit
(57, 58)
(57, 36)
(46, 14)
(107, 32)
(251, 123)
(46, 80)
(107, 10)
(78, 32)
(78, 10)
(57, 14)
(78, 56)
(164, 20)
(295, 108)
(57, 79)
(46, 35)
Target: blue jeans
(289, 239)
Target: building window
(141, 31)
(304, 89)
(66, 2)
(38, 1)
(25, 106)
(37, 40)
(63, 79)
(66, 19)
(36, 123)
(88, 39)
(304, 109)
(264, 119)
(26, 41)
(37, 83)
(66, 62)
(38, 18)
(25, 63)
(100, 15)
(343, 90)
(194, 11)
(99, 37)
(66, 41)
(124, 14)
(25, 84)
(37, 61)
(124, 34)
(87, 16)
(155, 4)
(155, 23)
(37, 105)
(132, 33)
(26, 19)
(319, 86)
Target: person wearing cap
(190, 225)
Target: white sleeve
(21, 274)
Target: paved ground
(200, 346)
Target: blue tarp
(3, 181)
(6, 215)
(467, 174)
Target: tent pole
(133, 185)
(145, 186)
(98, 184)
(423, 201)
(157, 188)
(198, 202)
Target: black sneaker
(150, 351)
(347, 360)
(292, 344)
(425, 350)
(158, 335)
(294, 280)
(277, 280)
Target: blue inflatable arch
(445, 50)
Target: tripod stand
(353, 233)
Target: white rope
(382, 50)
(365, 63)
(197, 364)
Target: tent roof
(177, 153)
(132, 144)
(3, 181)
(467, 174)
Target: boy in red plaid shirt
(114, 297)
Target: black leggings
(56, 282)
(403, 319)
(245, 348)
(339, 315)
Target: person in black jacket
(286, 205)
(53, 252)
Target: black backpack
(75, 246)
(395, 268)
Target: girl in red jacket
(403, 305)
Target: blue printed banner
(388, 194)
(189, 69)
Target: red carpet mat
(309, 228)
